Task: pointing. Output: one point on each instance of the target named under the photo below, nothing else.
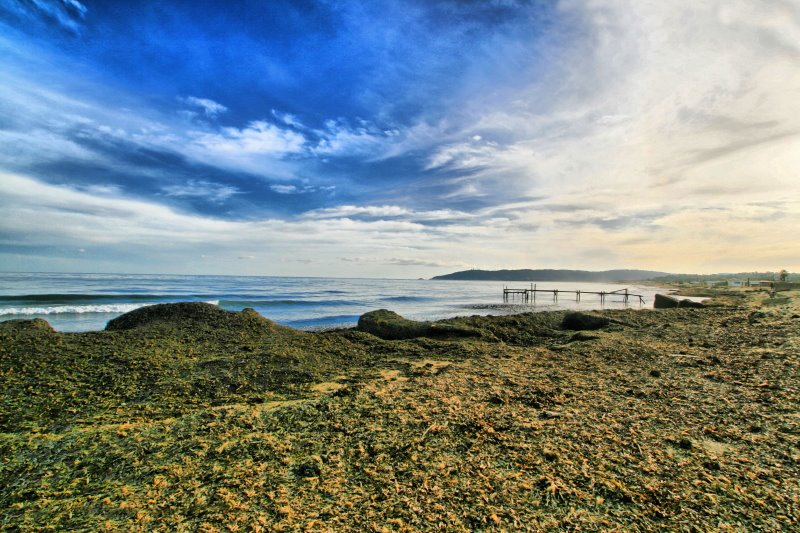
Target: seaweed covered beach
(185, 417)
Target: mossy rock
(583, 321)
(22, 324)
(663, 301)
(388, 325)
(391, 326)
(190, 314)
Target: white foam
(72, 309)
(79, 309)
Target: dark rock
(583, 321)
(389, 325)
(22, 324)
(188, 314)
(655, 373)
(663, 301)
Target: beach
(195, 418)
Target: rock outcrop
(583, 321)
(389, 325)
(22, 324)
(189, 314)
(663, 301)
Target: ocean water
(86, 302)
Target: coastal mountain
(527, 274)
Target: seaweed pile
(194, 418)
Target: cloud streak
(210, 108)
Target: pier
(528, 295)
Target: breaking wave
(77, 309)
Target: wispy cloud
(66, 218)
(201, 189)
(210, 108)
(259, 137)
(284, 189)
(67, 14)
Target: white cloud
(259, 137)
(384, 212)
(284, 189)
(101, 190)
(288, 119)
(713, 235)
(201, 189)
(209, 107)
(339, 139)
(648, 103)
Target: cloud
(67, 14)
(135, 231)
(213, 192)
(209, 107)
(288, 119)
(405, 261)
(259, 137)
(284, 189)
(339, 139)
(383, 212)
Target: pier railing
(528, 295)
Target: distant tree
(782, 275)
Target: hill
(551, 275)
(726, 276)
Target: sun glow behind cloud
(594, 135)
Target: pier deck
(527, 295)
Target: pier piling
(526, 295)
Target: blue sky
(398, 138)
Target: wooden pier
(528, 295)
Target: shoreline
(70, 305)
(661, 420)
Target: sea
(86, 302)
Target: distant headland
(527, 274)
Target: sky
(399, 138)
